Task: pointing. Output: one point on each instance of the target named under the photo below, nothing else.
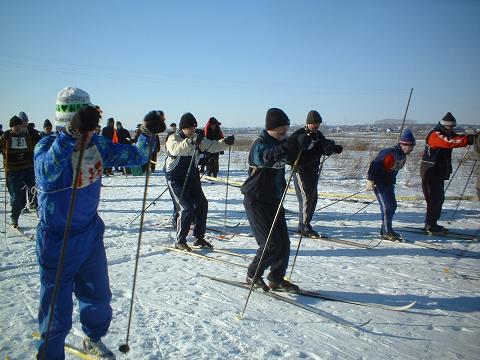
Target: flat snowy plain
(179, 314)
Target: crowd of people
(51, 165)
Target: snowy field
(180, 314)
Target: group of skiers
(73, 161)
(435, 169)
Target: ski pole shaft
(405, 115)
(124, 348)
(58, 277)
(356, 212)
(342, 199)
(192, 160)
(226, 190)
(463, 192)
(456, 169)
(279, 209)
(5, 202)
(308, 211)
(152, 203)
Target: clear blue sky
(353, 61)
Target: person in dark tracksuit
(17, 148)
(306, 177)
(212, 132)
(382, 176)
(183, 179)
(262, 192)
(436, 167)
(85, 272)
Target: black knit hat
(314, 117)
(212, 120)
(187, 121)
(47, 123)
(15, 120)
(448, 120)
(276, 118)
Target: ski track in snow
(179, 314)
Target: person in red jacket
(436, 167)
(212, 132)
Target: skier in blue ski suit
(85, 267)
(382, 176)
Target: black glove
(471, 139)
(200, 135)
(304, 141)
(229, 140)
(337, 149)
(154, 121)
(85, 120)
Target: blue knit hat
(407, 138)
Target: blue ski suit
(85, 268)
(383, 171)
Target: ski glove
(337, 149)
(154, 122)
(304, 141)
(370, 185)
(229, 140)
(471, 138)
(197, 140)
(85, 120)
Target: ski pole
(294, 168)
(192, 160)
(355, 213)
(124, 348)
(463, 192)
(456, 169)
(5, 203)
(301, 233)
(152, 203)
(226, 190)
(342, 199)
(58, 277)
(405, 115)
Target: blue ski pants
(388, 204)
(84, 274)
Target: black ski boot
(283, 285)
(308, 232)
(183, 246)
(435, 229)
(203, 244)
(258, 283)
(392, 236)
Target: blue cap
(407, 138)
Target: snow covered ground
(180, 314)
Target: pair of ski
(72, 349)
(370, 245)
(196, 253)
(449, 234)
(318, 295)
(307, 293)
